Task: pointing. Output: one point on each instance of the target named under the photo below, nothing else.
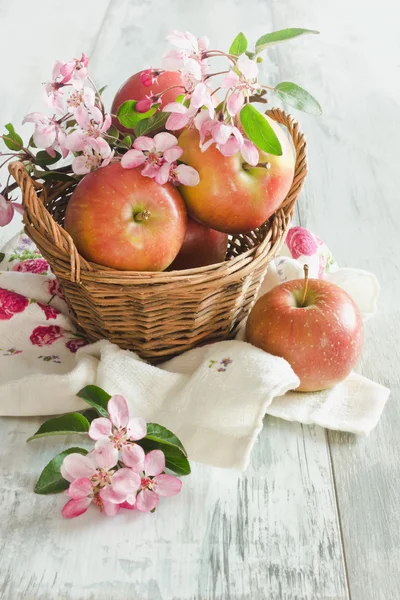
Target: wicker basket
(157, 315)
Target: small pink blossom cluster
(117, 473)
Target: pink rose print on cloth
(45, 335)
(11, 303)
(49, 311)
(74, 345)
(54, 288)
(33, 265)
(301, 241)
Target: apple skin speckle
(322, 340)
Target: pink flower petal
(80, 165)
(65, 474)
(6, 211)
(128, 506)
(192, 68)
(35, 117)
(230, 80)
(106, 123)
(77, 465)
(221, 133)
(144, 143)
(80, 488)
(203, 43)
(164, 140)
(100, 428)
(163, 174)
(150, 170)
(133, 456)
(199, 96)
(74, 508)
(235, 102)
(132, 159)
(154, 463)
(250, 153)
(172, 60)
(175, 107)
(167, 485)
(202, 117)
(75, 141)
(247, 66)
(118, 410)
(137, 428)
(106, 455)
(144, 105)
(146, 500)
(187, 175)
(110, 509)
(177, 121)
(127, 483)
(44, 135)
(172, 154)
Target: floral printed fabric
(33, 314)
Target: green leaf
(259, 130)
(101, 90)
(296, 96)
(175, 459)
(239, 45)
(113, 133)
(180, 98)
(128, 117)
(158, 433)
(43, 158)
(280, 36)
(126, 142)
(90, 414)
(152, 125)
(51, 480)
(96, 397)
(251, 55)
(11, 139)
(31, 143)
(2, 256)
(53, 176)
(63, 425)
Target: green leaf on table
(175, 459)
(43, 158)
(259, 130)
(113, 133)
(280, 36)
(128, 117)
(96, 397)
(11, 139)
(63, 425)
(153, 124)
(101, 90)
(239, 45)
(158, 433)
(51, 481)
(294, 95)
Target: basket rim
(37, 218)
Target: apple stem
(305, 288)
(142, 216)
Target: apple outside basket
(157, 314)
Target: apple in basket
(120, 219)
(202, 246)
(233, 196)
(144, 87)
(314, 325)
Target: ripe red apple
(232, 196)
(120, 219)
(317, 328)
(133, 89)
(202, 246)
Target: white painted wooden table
(316, 515)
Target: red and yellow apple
(317, 328)
(120, 219)
(202, 246)
(134, 89)
(232, 196)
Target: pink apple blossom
(146, 103)
(93, 479)
(247, 67)
(187, 47)
(75, 71)
(202, 97)
(7, 210)
(82, 102)
(151, 153)
(180, 116)
(90, 160)
(147, 78)
(48, 133)
(177, 174)
(90, 134)
(228, 139)
(154, 483)
(119, 432)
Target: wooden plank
(351, 201)
(271, 532)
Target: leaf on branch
(12, 140)
(153, 124)
(51, 481)
(96, 397)
(259, 130)
(282, 35)
(296, 96)
(128, 117)
(63, 425)
(239, 45)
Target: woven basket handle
(41, 226)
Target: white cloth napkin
(214, 397)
